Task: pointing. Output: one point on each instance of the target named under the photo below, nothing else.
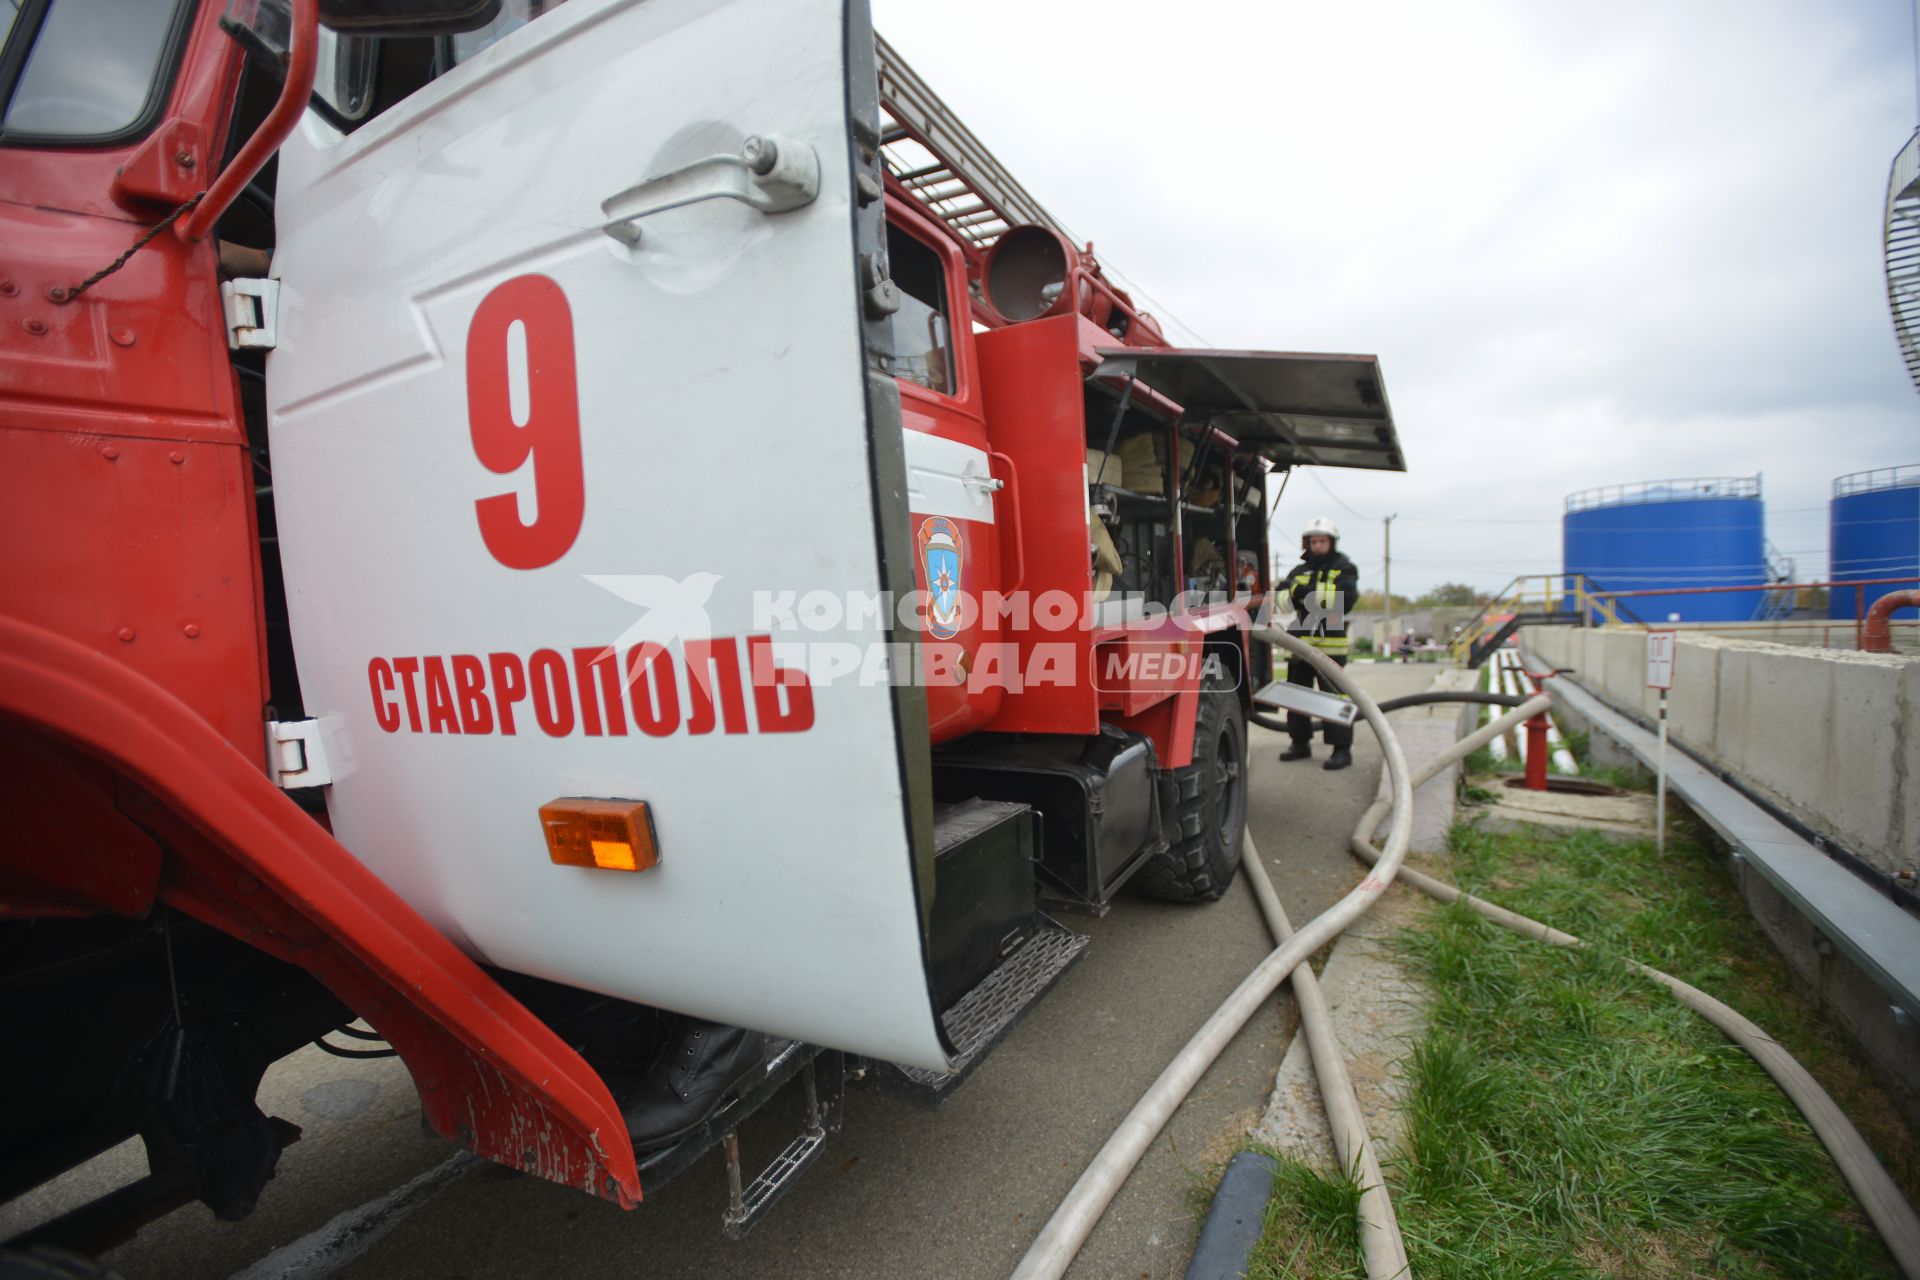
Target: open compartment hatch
(1295, 409)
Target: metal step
(983, 1017)
(825, 1081)
(785, 1059)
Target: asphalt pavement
(898, 1192)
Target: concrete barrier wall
(1830, 736)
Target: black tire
(1212, 807)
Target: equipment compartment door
(568, 406)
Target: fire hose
(1053, 1250)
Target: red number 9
(550, 437)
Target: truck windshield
(94, 70)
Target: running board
(982, 1018)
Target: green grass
(1629, 778)
(1482, 764)
(1567, 1118)
(1311, 1228)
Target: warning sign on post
(1660, 659)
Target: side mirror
(406, 17)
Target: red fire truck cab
(527, 527)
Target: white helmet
(1320, 527)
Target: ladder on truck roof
(939, 161)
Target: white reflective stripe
(947, 478)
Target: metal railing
(1573, 594)
(1693, 489)
(1777, 605)
(1876, 479)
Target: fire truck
(535, 527)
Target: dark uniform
(1324, 589)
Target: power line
(1328, 490)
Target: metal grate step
(821, 1117)
(985, 1016)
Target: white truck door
(568, 407)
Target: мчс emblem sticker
(942, 552)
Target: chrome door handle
(769, 173)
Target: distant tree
(1450, 594)
(1374, 602)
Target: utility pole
(1387, 574)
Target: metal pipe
(1530, 684)
(1758, 586)
(292, 104)
(1536, 753)
(1877, 637)
(1054, 1249)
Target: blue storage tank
(1672, 533)
(1874, 533)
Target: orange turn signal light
(614, 834)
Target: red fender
(243, 857)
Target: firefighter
(1323, 587)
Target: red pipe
(1877, 637)
(1537, 753)
(1758, 586)
(294, 95)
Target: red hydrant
(1877, 637)
(1537, 749)
(1537, 753)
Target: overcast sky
(1591, 244)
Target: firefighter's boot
(1298, 751)
(1340, 759)
(703, 1063)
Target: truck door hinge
(253, 309)
(296, 756)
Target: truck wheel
(1212, 812)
